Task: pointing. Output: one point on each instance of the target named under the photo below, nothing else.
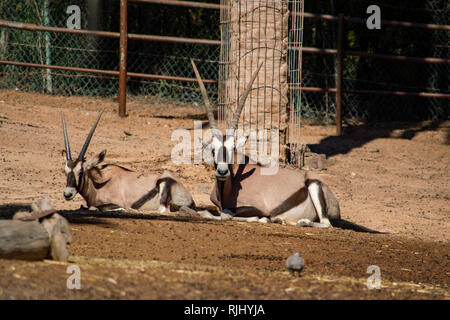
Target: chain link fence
(102, 53)
(55, 49)
(162, 58)
(173, 58)
(369, 73)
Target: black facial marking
(222, 154)
(71, 180)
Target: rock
(35, 235)
(39, 210)
(295, 262)
(59, 231)
(314, 161)
(24, 240)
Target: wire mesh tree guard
(268, 31)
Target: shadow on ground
(8, 210)
(84, 216)
(358, 136)
(347, 225)
(95, 217)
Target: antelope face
(73, 171)
(223, 150)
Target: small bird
(295, 263)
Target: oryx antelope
(109, 186)
(290, 196)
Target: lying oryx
(109, 186)
(290, 196)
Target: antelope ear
(91, 163)
(101, 156)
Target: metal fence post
(123, 59)
(48, 49)
(340, 55)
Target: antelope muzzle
(70, 191)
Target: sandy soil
(393, 179)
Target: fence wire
(102, 53)
(359, 73)
(54, 49)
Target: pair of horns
(86, 143)
(237, 113)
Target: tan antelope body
(287, 200)
(109, 186)
(289, 196)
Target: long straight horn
(237, 113)
(66, 138)
(210, 114)
(89, 137)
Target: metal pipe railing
(123, 36)
(188, 4)
(104, 72)
(123, 58)
(106, 34)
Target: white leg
(309, 223)
(316, 196)
(226, 214)
(250, 219)
(264, 220)
(278, 220)
(163, 194)
(107, 208)
(208, 215)
(162, 209)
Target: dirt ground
(392, 179)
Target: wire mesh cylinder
(255, 31)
